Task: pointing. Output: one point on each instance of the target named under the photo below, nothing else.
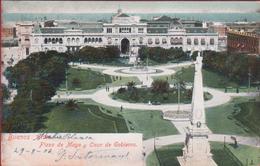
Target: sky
(129, 7)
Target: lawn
(243, 153)
(221, 119)
(145, 122)
(210, 78)
(168, 155)
(118, 81)
(150, 123)
(249, 115)
(84, 119)
(85, 79)
(144, 95)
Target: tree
(160, 86)
(6, 92)
(130, 85)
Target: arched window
(36, 40)
(53, 40)
(180, 40)
(96, 40)
(68, 40)
(60, 41)
(57, 40)
(73, 40)
(164, 41)
(49, 40)
(92, 40)
(157, 41)
(77, 40)
(45, 41)
(89, 39)
(172, 41)
(85, 40)
(100, 39)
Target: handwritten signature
(116, 154)
(61, 136)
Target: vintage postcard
(130, 83)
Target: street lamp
(249, 79)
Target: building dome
(176, 24)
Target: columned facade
(123, 31)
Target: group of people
(107, 88)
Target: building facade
(125, 32)
(245, 42)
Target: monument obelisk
(196, 151)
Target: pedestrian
(108, 88)
(121, 108)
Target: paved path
(175, 139)
(103, 97)
(218, 98)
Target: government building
(124, 31)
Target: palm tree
(130, 85)
(71, 104)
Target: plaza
(169, 79)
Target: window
(164, 41)
(157, 41)
(45, 41)
(141, 40)
(189, 41)
(100, 40)
(68, 40)
(109, 30)
(150, 41)
(73, 40)
(211, 41)
(124, 30)
(60, 41)
(96, 39)
(172, 40)
(27, 51)
(109, 40)
(180, 40)
(196, 41)
(85, 40)
(202, 42)
(93, 40)
(36, 40)
(77, 40)
(53, 40)
(140, 30)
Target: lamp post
(178, 97)
(249, 79)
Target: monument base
(196, 151)
(196, 162)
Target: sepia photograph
(130, 83)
